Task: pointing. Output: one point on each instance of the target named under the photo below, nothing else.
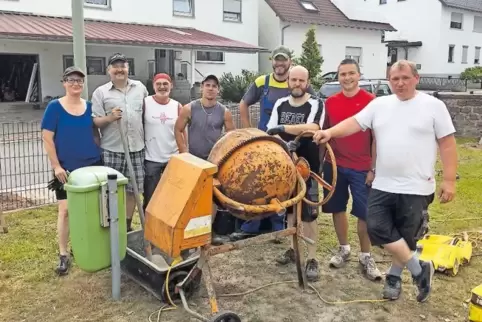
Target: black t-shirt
(312, 111)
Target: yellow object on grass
(475, 306)
(447, 253)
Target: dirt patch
(13, 201)
(86, 297)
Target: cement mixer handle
(307, 133)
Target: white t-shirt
(159, 123)
(406, 133)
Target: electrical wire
(473, 236)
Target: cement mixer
(249, 173)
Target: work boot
(287, 257)
(129, 224)
(240, 235)
(424, 280)
(340, 258)
(370, 268)
(312, 274)
(392, 288)
(63, 266)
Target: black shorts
(393, 216)
(308, 213)
(61, 194)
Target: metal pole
(78, 38)
(114, 236)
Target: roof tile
(29, 26)
(473, 5)
(328, 14)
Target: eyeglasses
(79, 81)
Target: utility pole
(78, 38)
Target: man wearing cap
(266, 90)
(160, 115)
(121, 99)
(205, 118)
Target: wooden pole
(3, 224)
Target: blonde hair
(402, 64)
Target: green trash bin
(88, 204)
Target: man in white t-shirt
(160, 113)
(408, 126)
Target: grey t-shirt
(205, 128)
(406, 133)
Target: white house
(340, 33)
(185, 37)
(443, 37)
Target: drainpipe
(283, 34)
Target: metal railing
(442, 84)
(25, 168)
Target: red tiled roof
(35, 27)
(328, 14)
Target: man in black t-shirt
(291, 116)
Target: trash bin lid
(91, 178)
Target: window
(354, 53)
(383, 1)
(97, 3)
(465, 54)
(132, 70)
(183, 7)
(210, 56)
(478, 24)
(232, 10)
(308, 5)
(451, 53)
(477, 55)
(456, 20)
(95, 65)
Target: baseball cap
(73, 70)
(281, 51)
(210, 76)
(117, 57)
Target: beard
(298, 92)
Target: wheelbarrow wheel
(176, 278)
(226, 316)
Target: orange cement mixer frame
(296, 232)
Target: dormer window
(309, 6)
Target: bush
(234, 87)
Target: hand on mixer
(292, 145)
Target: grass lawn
(30, 291)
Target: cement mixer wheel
(225, 316)
(176, 278)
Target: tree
(311, 57)
(473, 74)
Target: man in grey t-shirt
(408, 126)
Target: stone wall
(465, 109)
(466, 112)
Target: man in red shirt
(355, 158)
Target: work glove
(293, 146)
(276, 130)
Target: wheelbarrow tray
(147, 274)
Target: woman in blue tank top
(68, 134)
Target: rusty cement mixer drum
(253, 167)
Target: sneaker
(287, 257)
(312, 274)
(63, 266)
(424, 280)
(392, 288)
(340, 258)
(370, 268)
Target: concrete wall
(466, 112)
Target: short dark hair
(350, 61)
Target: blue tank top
(74, 136)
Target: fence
(442, 84)
(25, 167)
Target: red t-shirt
(354, 151)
